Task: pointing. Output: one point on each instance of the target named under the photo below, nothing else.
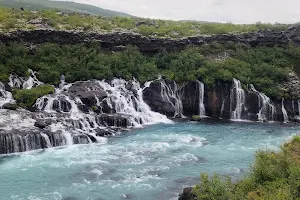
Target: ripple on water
(151, 163)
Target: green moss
(27, 97)
(196, 117)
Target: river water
(155, 162)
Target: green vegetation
(16, 19)
(274, 175)
(265, 67)
(27, 97)
(65, 6)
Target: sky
(234, 11)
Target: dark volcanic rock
(10, 106)
(152, 95)
(40, 124)
(187, 194)
(118, 40)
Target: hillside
(60, 5)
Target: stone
(10, 106)
(187, 194)
(116, 41)
(40, 124)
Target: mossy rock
(196, 118)
(27, 97)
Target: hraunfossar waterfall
(101, 105)
(117, 139)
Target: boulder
(10, 106)
(187, 194)
(40, 124)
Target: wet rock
(40, 124)
(152, 96)
(10, 106)
(187, 194)
(103, 132)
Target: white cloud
(236, 11)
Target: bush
(27, 97)
(274, 175)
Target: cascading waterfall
(267, 110)
(69, 123)
(129, 103)
(173, 96)
(237, 100)
(200, 86)
(24, 82)
(5, 96)
(284, 113)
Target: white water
(200, 86)
(267, 110)
(173, 96)
(119, 99)
(284, 112)
(126, 102)
(237, 100)
(5, 96)
(24, 82)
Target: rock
(40, 124)
(103, 132)
(292, 85)
(10, 106)
(187, 194)
(88, 92)
(116, 41)
(152, 96)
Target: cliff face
(225, 100)
(117, 40)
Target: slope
(66, 6)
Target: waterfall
(284, 112)
(24, 82)
(130, 102)
(237, 100)
(5, 96)
(200, 86)
(267, 110)
(173, 96)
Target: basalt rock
(187, 194)
(115, 41)
(10, 106)
(220, 101)
(152, 95)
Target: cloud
(235, 11)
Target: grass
(96, 23)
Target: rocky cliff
(115, 41)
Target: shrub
(274, 175)
(27, 97)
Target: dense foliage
(27, 97)
(265, 67)
(16, 19)
(274, 175)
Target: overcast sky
(235, 11)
